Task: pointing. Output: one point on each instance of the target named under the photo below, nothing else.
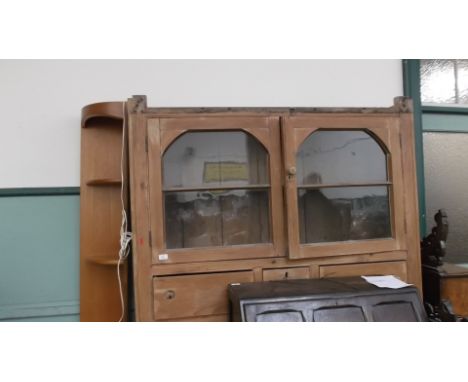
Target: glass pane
(343, 213)
(445, 173)
(334, 157)
(216, 218)
(215, 159)
(438, 81)
(462, 81)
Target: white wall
(41, 100)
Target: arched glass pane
(337, 157)
(342, 187)
(216, 190)
(215, 159)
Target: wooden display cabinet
(230, 195)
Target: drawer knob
(169, 295)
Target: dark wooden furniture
(433, 246)
(445, 285)
(101, 211)
(324, 300)
(233, 195)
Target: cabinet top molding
(138, 104)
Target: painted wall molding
(49, 309)
(445, 123)
(41, 191)
(445, 109)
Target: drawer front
(286, 274)
(194, 295)
(396, 268)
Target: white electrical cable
(125, 236)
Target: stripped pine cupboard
(232, 195)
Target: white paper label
(389, 281)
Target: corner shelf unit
(100, 210)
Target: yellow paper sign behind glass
(224, 171)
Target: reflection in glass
(343, 213)
(215, 159)
(216, 218)
(344, 156)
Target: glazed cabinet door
(344, 184)
(214, 188)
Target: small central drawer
(286, 274)
(194, 295)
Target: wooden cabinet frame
(281, 131)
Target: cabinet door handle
(292, 171)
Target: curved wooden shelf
(105, 260)
(104, 182)
(113, 110)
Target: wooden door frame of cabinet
(410, 180)
(162, 132)
(141, 246)
(385, 129)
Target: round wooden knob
(292, 171)
(169, 295)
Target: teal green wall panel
(39, 258)
(58, 311)
(65, 318)
(449, 123)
